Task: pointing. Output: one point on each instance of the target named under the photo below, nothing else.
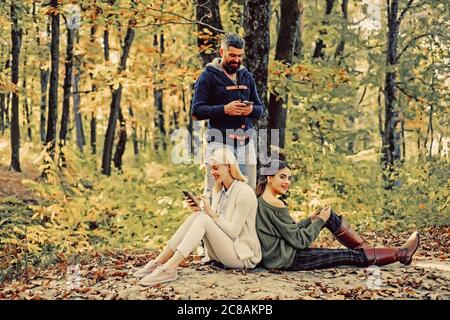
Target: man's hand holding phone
(248, 108)
(238, 108)
(234, 108)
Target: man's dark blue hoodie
(213, 90)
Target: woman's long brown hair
(276, 165)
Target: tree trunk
(16, 37)
(106, 44)
(391, 136)
(403, 140)
(160, 136)
(115, 103)
(110, 131)
(43, 76)
(338, 56)
(341, 45)
(380, 113)
(67, 86)
(106, 33)
(7, 95)
(2, 98)
(26, 108)
(2, 113)
(81, 140)
(175, 122)
(145, 138)
(298, 49)
(320, 44)
(44, 85)
(159, 120)
(430, 130)
(418, 142)
(187, 110)
(257, 38)
(120, 148)
(141, 137)
(183, 99)
(134, 130)
(121, 144)
(8, 110)
(208, 12)
(93, 125)
(53, 90)
(284, 52)
(351, 143)
(93, 122)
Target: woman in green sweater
(285, 243)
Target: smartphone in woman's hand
(189, 196)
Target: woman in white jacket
(227, 226)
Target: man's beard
(231, 69)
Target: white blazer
(239, 222)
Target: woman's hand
(207, 207)
(192, 205)
(324, 213)
(314, 213)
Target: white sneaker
(147, 269)
(160, 275)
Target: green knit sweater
(280, 235)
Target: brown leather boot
(348, 237)
(384, 256)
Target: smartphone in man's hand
(248, 103)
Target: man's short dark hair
(233, 40)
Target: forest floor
(108, 275)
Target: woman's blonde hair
(225, 156)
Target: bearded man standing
(226, 95)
